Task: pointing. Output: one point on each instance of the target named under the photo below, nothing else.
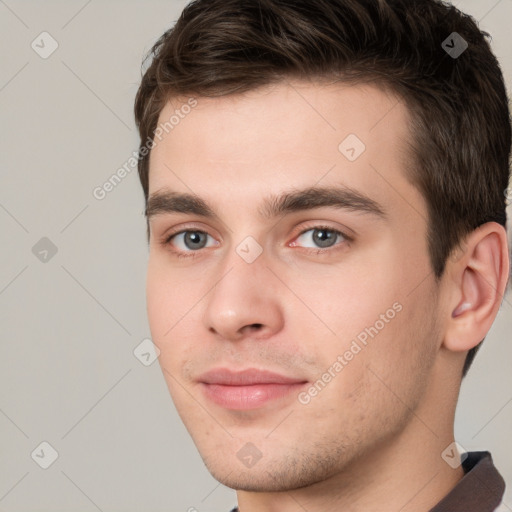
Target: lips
(247, 389)
(247, 377)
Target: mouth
(247, 389)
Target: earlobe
(479, 281)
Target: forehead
(292, 134)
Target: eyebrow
(273, 206)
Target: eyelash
(193, 254)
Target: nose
(245, 301)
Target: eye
(187, 241)
(320, 237)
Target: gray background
(70, 323)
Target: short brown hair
(460, 119)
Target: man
(325, 191)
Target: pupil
(324, 237)
(194, 239)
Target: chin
(270, 476)
(250, 481)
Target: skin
(372, 438)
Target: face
(292, 299)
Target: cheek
(376, 376)
(159, 301)
(343, 299)
(374, 309)
(170, 296)
(170, 303)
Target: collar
(480, 489)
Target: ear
(478, 282)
